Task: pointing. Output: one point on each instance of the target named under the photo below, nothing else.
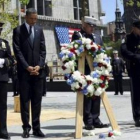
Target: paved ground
(63, 129)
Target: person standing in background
(118, 67)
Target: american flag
(64, 34)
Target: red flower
(102, 77)
(73, 50)
(102, 85)
(91, 43)
(100, 64)
(89, 82)
(99, 47)
(93, 49)
(110, 134)
(63, 67)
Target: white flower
(90, 89)
(83, 40)
(89, 78)
(82, 81)
(88, 41)
(99, 91)
(88, 47)
(75, 85)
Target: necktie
(31, 35)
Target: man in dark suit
(5, 62)
(30, 51)
(118, 68)
(130, 50)
(91, 105)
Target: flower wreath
(97, 81)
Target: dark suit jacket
(26, 53)
(5, 53)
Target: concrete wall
(63, 9)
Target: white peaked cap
(115, 51)
(90, 20)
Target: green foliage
(24, 2)
(114, 45)
(10, 20)
(132, 2)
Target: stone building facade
(61, 13)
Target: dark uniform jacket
(6, 54)
(94, 37)
(117, 66)
(130, 50)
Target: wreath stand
(79, 102)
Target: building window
(48, 7)
(77, 5)
(31, 4)
(40, 7)
(44, 7)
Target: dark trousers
(44, 86)
(31, 90)
(91, 110)
(3, 107)
(15, 87)
(135, 97)
(118, 84)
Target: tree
(132, 2)
(24, 2)
(10, 19)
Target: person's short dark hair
(31, 11)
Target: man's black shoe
(4, 136)
(38, 133)
(100, 125)
(89, 127)
(26, 133)
(116, 94)
(137, 123)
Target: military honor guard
(130, 50)
(91, 105)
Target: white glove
(1, 66)
(2, 61)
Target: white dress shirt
(28, 28)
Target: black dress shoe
(38, 133)
(89, 127)
(137, 123)
(100, 125)
(116, 94)
(26, 133)
(4, 136)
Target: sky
(109, 7)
